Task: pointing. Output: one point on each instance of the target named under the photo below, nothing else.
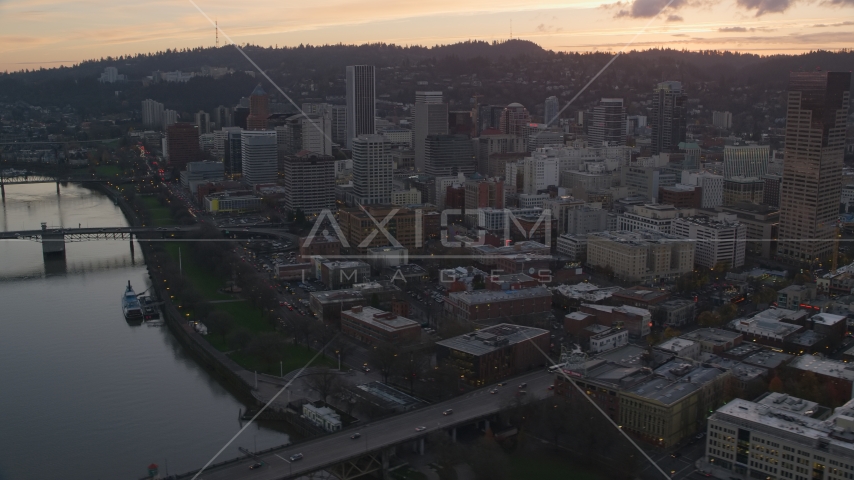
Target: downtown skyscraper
(669, 114)
(372, 170)
(361, 102)
(430, 117)
(608, 123)
(816, 113)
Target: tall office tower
(220, 145)
(240, 116)
(513, 118)
(608, 123)
(552, 107)
(746, 160)
(182, 143)
(361, 102)
(222, 117)
(233, 156)
(170, 117)
(203, 122)
(152, 113)
(430, 117)
(668, 116)
(338, 119)
(812, 171)
(309, 182)
(372, 170)
(448, 155)
(722, 120)
(316, 132)
(259, 157)
(259, 109)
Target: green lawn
(205, 283)
(160, 215)
(549, 467)
(294, 358)
(108, 170)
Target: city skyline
(49, 34)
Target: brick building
(372, 325)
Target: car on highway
(522, 392)
(523, 385)
(493, 391)
(295, 457)
(420, 429)
(356, 435)
(675, 455)
(255, 465)
(448, 412)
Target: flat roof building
(372, 325)
(495, 352)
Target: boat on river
(131, 307)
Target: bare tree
(325, 382)
(384, 358)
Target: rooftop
(768, 358)
(770, 323)
(379, 318)
(675, 345)
(771, 417)
(486, 296)
(712, 335)
(587, 292)
(628, 309)
(492, 338)
(823, 366)
(643, 294)
(680, 381)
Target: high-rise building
(182, 140)
(668, 116)
(746, 160)
(447, 155)
(812, 171)
(170, 117)
(712, 187)
(551, 109)
(430, 117)
(361, 102)
(309, 182)
(338, 119)
(152, 113)
(771, 190)
(202, 122)
(258, 155)
(722, 120)
(222, 117)
(513, 118)
(372, 170)
(259, 109)
(720, 239)
(233, 152)
(608, 123)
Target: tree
(671, 332)
(709, 319)
(488, 461)
(413, 366)
(220, 323)
(727, 312)
(239, 338)
(325, 382)
(764, 295)
(384, 358)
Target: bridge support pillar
(486, 425)
(53, 244)
(421, 446)
(57, 188)
(385, 460)
(131, 246)
(3, 191)
(454, 434)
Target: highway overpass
(349, 458)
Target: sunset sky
(48, 33)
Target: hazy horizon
(46, 33)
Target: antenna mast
(216, 30)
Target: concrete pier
(53, 244)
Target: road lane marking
(276, 454)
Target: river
(82, 393)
